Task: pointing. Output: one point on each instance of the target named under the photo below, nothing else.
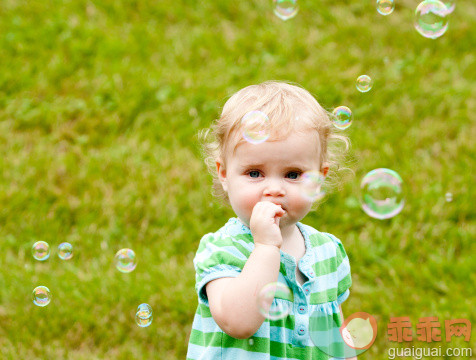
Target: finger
(268, 209)
(277, 210)
(269, 203)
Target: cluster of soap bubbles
(431, 16)
(342, 115)
(381, 189)
(41, 252)
(381, 195)
(125, 261)
(381, 198)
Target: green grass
(100, 102)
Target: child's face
(271, 171)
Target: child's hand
(264, 223)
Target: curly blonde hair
(289, 108)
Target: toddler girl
(266, 242)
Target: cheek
(301, 203)
(248, 200)
(245, 198)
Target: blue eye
(254, 174)
(293, 175)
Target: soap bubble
(431, 19)
(382, 195)
(41, 296)
(449, 197)
(385, 7)
(144, 315)
(342, 117)
(271, 303)
(256, 126)
(40, 250)
(285, 9)
(125, 260)
(311, 185)
(364, 83)
(342, 340)
(450, 5)
(65, 251)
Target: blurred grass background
(100, 102)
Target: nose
(274, 188)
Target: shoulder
(221, 254)
(230, 233)
(230, 244)
(317, 237)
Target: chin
(285, 221)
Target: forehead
(299, 148)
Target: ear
(221, 171)
(325, 169)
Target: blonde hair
(289, 108)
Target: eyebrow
(293, 166)
(251, 165)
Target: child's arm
(233, 301)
